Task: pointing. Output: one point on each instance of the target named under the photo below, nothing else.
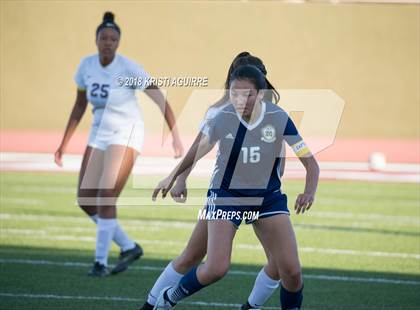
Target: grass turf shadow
(33, 273)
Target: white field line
(117, 298)
(85, 220)
(10, 157)
(365, 217)
(363, 202)
(231, 272)
(43, 189)
(195, 201)
(28, 187)
(198, 202)
(189, 225)
(405, 173)
(22, 201)
(45, 235)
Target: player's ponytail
(232, 67)
(271, 95)
(108, 22)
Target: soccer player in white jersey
(267, 280)
(109, 81)
(250, 134)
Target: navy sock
(147, 306)
(187, 286)
(290, 300)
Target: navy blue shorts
(222, 204)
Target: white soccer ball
(377, 161)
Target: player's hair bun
(108, 22)
(108, 17)
(243, 54)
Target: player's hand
(304, 202)
(179, 191)
(177, 146)
(165, 185)
(58, 157)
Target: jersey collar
(109, 67)
(257, 122)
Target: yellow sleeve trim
(301, 149)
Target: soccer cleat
(247, 306)
(126, 258)
(98, 270)
(147, 306)
(163, 303)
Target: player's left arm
(305, 200)
(157, 96)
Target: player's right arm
(198, 150)
(179, 189)
(76, 115)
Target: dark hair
(245, 58)
(108, 22)
(250, 73)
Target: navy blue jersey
(249, 155)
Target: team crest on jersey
(268, 134)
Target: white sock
(104, 233)
(263, 288)
(169, 277)
(120, 237)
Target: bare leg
(190, 257)
(219, 245)
(277, 234)
(195, 250)
(219, 251)
(270, 268)
(89, 176)
(117, 166)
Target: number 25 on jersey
(99, 90)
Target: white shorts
(131, 135)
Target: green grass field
(359, 247)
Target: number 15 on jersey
(251, 154)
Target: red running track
(350, 150)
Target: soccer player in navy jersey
(267, 280)
(250, 134)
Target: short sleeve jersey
(114, 104)
(248, 157)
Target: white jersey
(117, 117)
(115, 106)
